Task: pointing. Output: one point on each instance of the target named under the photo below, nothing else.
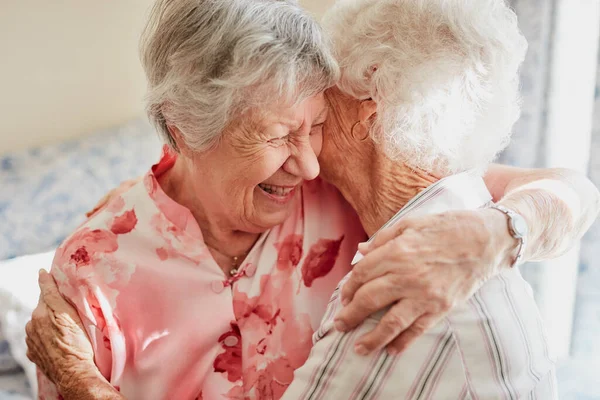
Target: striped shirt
(491, 347)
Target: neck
(375, 186)
(380, 188)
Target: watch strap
(522, 239)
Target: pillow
(19, 293)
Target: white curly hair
(444, 75)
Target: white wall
(317, 7)
(69, 67)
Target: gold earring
(354, 136)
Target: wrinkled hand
(57, 342)
(422, 267)
(114, 192)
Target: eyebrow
(294, 126)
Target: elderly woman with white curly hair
(209, 278)
(433, 86)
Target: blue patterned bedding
(46, 192)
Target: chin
(269, 220)
(277, 218)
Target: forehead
(304, 112)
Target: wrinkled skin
(422, 267)
(57, 342)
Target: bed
(46, 192)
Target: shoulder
(97, 252)
(100, 233)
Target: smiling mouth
(276, 190)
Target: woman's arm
(93, 389)
(58, 344)
(566, 201)
(434, 262)
(450, 255)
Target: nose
(303, 162)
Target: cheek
(263, 167)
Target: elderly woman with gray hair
(208, 278)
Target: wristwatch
(517, 226)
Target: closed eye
(316, 129)
(279, 141)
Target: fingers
(101, 203)
(30, 350)
(43, 317)
(29, 356)
(397, 319)
(45, 280)
(49, 291)
(40, 300)
(372, 297)
(35, 353)
(29, 328)
(40, 313)
(382, 237)
(418, 328)
(32, 354)
(108, 196)
(91, 212)
(375, 264)
(387, 234)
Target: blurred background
(71, 90)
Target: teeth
(276, 190)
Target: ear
(366, 111)
(177, 138)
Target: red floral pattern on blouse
(124, 223)
(166, 323)
(320, 259)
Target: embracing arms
(449, 256)
(58, 343)
(435, 262)
(558, 204)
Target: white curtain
(557, 129)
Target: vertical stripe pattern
(491, 347)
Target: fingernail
(357, 257)
(340, 326)
(345, 301)
(364, 246)
(361, 350)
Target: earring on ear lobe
(354, 135)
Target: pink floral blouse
(164, 320)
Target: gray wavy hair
(207, 61)
(444, 74)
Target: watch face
(519, 225)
